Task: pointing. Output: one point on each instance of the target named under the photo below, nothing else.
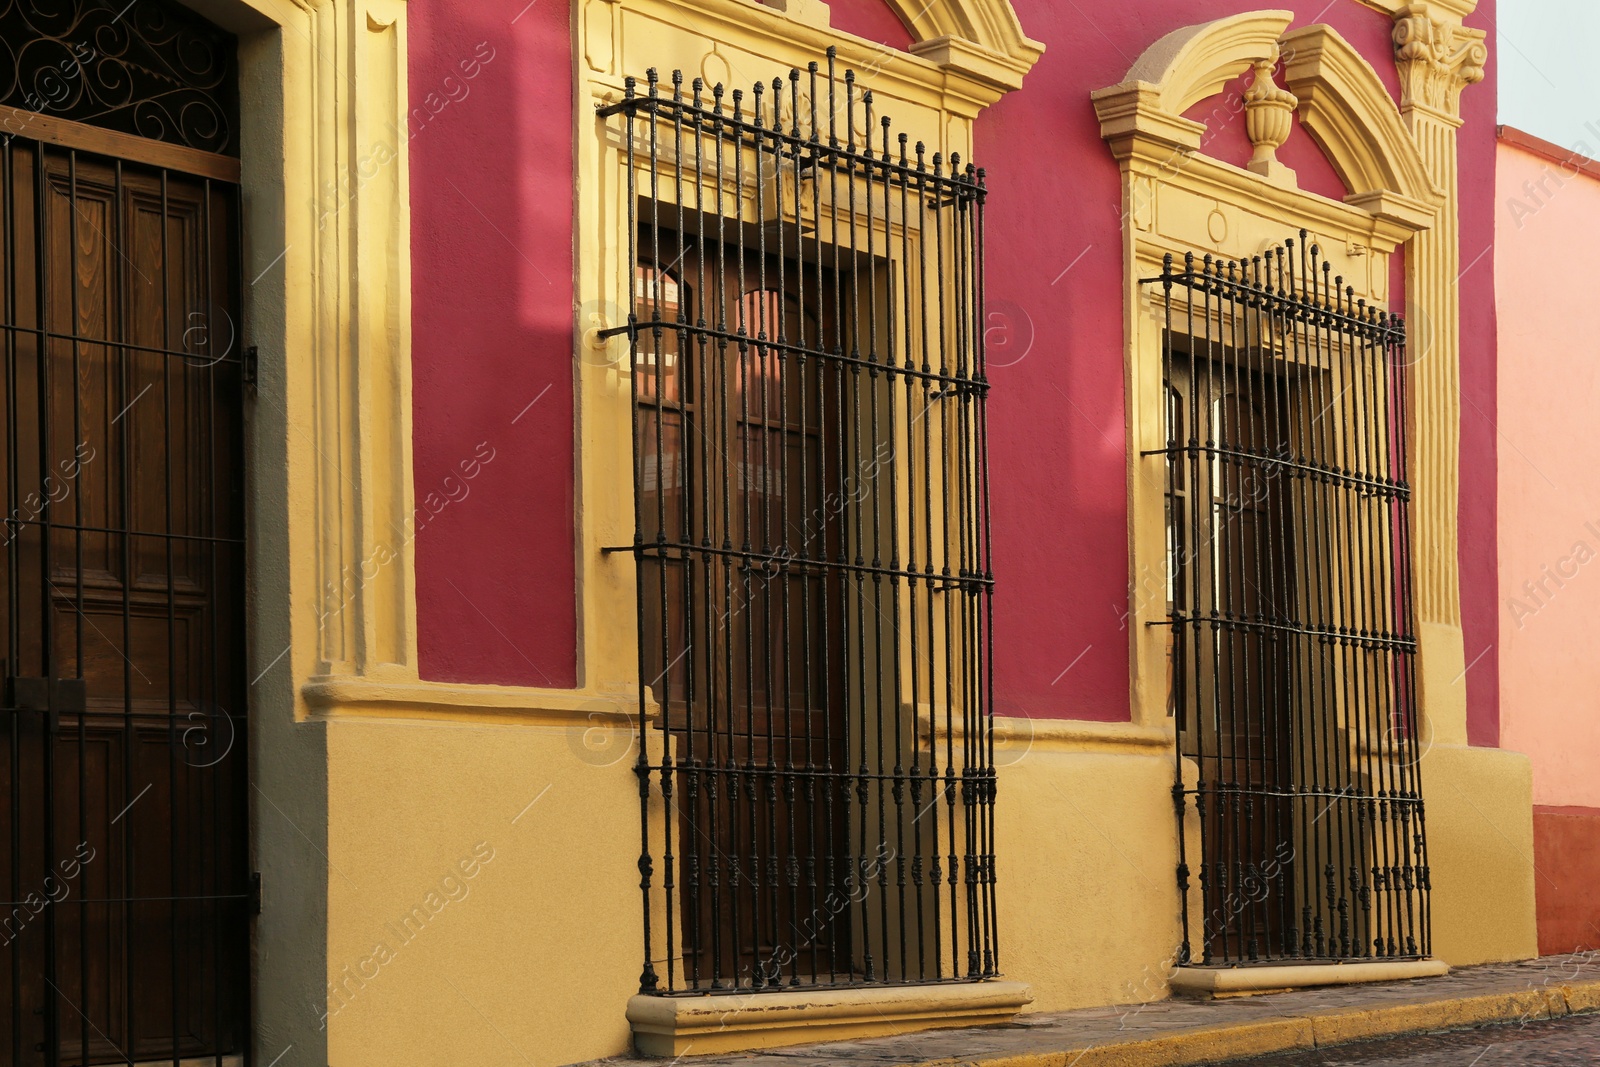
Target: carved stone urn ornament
(1268, 120)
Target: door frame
(322, 128)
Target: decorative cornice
(1195, 63)
(978, 39)
(1437, 57)
(1460, 9)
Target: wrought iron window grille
(143, 67)
(1297, 786)
(816, 774)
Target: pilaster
(1437, 57)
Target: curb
(1310, 1030)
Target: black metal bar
(1288, 524)
(11, 328)
(13, 615)
(829, 534)
(73, 208)
(48, 666)
(125, 380)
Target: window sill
(355, 697)
(678, 1026)
(1267, 978)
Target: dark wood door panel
(122, 405)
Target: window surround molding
(966, 55)
(1176, 199)
(325, 206)
(976, 54)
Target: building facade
(722, 524)
(1546, 606)
(1545, 185)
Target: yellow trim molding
(351, 697)
(1348, 113)
(1195, 63)
(326, 225)
(1437, 57)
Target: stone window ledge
(1242, 981)
(700, 1025)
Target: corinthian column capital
(1437, 57)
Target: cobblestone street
(1548, 1043)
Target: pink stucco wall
(1549, 474)
(492, 260)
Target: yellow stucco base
(482, 898)
(483, 904)
(1087, 847)
(1238, 981)
(1479, 810)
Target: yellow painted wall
(1087, 854)
(1479, 812)
(537, 950)
(535, 955)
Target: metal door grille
(815, 774)
(150, 68)
(123, 932)
(1298, 788)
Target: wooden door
(743, 641)
(122, 755)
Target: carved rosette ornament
(1268, 120)
(1436, 58)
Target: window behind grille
(811, 541)
(1289, 600)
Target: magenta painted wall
(491, 203)
(491, 253)
(1480, 608)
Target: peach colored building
(1549, 488)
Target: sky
(1550, 70)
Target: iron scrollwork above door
(145, 67)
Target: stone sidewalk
(1185, 1031)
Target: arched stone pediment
(986, 28)
(1195, 63)
(1340, 101)
(1347, 111)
